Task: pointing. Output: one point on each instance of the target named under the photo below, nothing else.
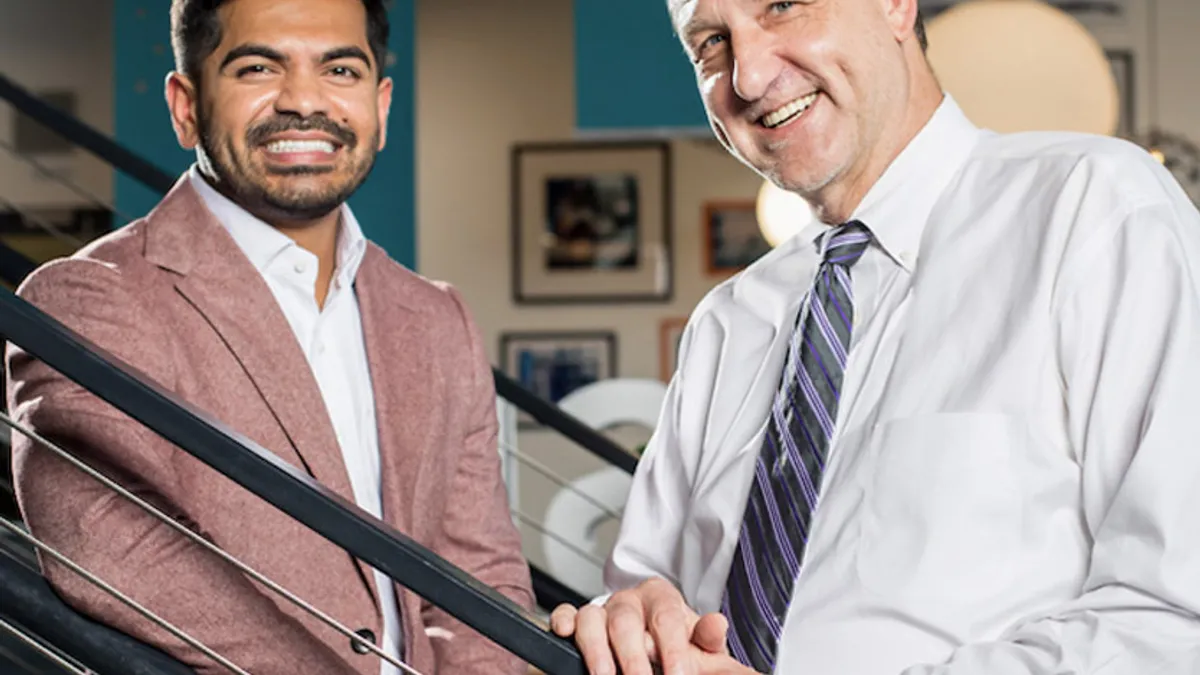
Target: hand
(649, 624)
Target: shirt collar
(897, 207)
(262, 244)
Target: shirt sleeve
(648, 542)
(1129, 351)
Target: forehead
(317, 23)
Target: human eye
(253, 69)
(708, 44)
(781, 7)
(345, 72)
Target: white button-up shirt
(1013, 486)
(332, 340)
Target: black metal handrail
(252, 466)
(26, 599)
(287, 488)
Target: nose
(755, 65)
(302, 95)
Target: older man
(951, 429)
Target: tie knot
(847, 243)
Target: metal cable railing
(43, 650)
(254, 467)
(94, 580)
(543, 411)
(288, 489)
(541, 529)
(29, 604)
(84, 136)
(195, 538)
(42, 224)
(556, 478)
(57, 176)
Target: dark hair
(196, 32)
(919, 29)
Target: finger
(627, 635)
(591, 635)
(562, 620)
(711, 634)
(651, 649)
(669, 626)
(721, 664)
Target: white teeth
(289, 147)
(787, 112)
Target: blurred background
(551, 159)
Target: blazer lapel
(221, 283)
(402, 378)
(401, 368)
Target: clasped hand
(646, 626)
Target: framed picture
(591, 222)
(670, 332)
(554, 364)
(1121, 61)
(732, 238)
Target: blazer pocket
(944, 510)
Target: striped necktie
(787, 476)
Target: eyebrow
(693, 28)
(346, 53)
(243, 51)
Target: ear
(901, 16)
(384, 101)
(183, 102)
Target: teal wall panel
(141, 60)
(630, 69)
(385, 205)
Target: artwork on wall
(591, 222)
(1121, 61)
(732, 237)
(553, 364)
(670, 332)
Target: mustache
(258, 134)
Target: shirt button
(300, 267)
(320, 347)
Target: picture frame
(670, 332)
(732, 237)
(552, 364)
(591, 223)
(1122, 63)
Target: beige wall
(491, 74)
(1179, 66)
(55, 45)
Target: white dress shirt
(1013, 486)
(332, 340)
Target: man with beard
(251, 292)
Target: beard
(298, 193)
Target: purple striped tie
(787, 476)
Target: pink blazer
(172, 295)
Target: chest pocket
(944, 511)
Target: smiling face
(289, 111)
(813, 95)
